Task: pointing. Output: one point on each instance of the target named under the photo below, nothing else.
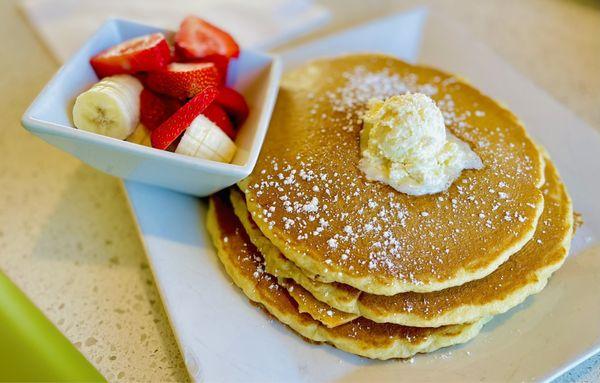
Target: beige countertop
(67, 237)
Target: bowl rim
(36, 125)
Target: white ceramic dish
(256, 75)
(225, 339)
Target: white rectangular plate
(224, 338)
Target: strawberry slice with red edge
(145, 53)
(156, 109)
(217, 115)
(197, 38)
(183, 80)
(222, 64)
(172, 128)
(234, 104)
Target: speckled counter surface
(67, 237)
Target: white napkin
(65, 24)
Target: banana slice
(141, 136)
(204, 139)
(111, 107)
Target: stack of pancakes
(375, 272)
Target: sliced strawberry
(234, 104)
(183, 80)
(169, 130)
(222, 64)
(217, 115)
(145, 53)
(156, 109)
(197, 38)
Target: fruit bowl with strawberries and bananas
(186, 110)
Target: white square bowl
(256, 75)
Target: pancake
(524, 274)
(310, 200)
(319, 311)
(244, 264)
(337, 295)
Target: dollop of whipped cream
(405, 144)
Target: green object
(31, 348)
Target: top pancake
(309, 198)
